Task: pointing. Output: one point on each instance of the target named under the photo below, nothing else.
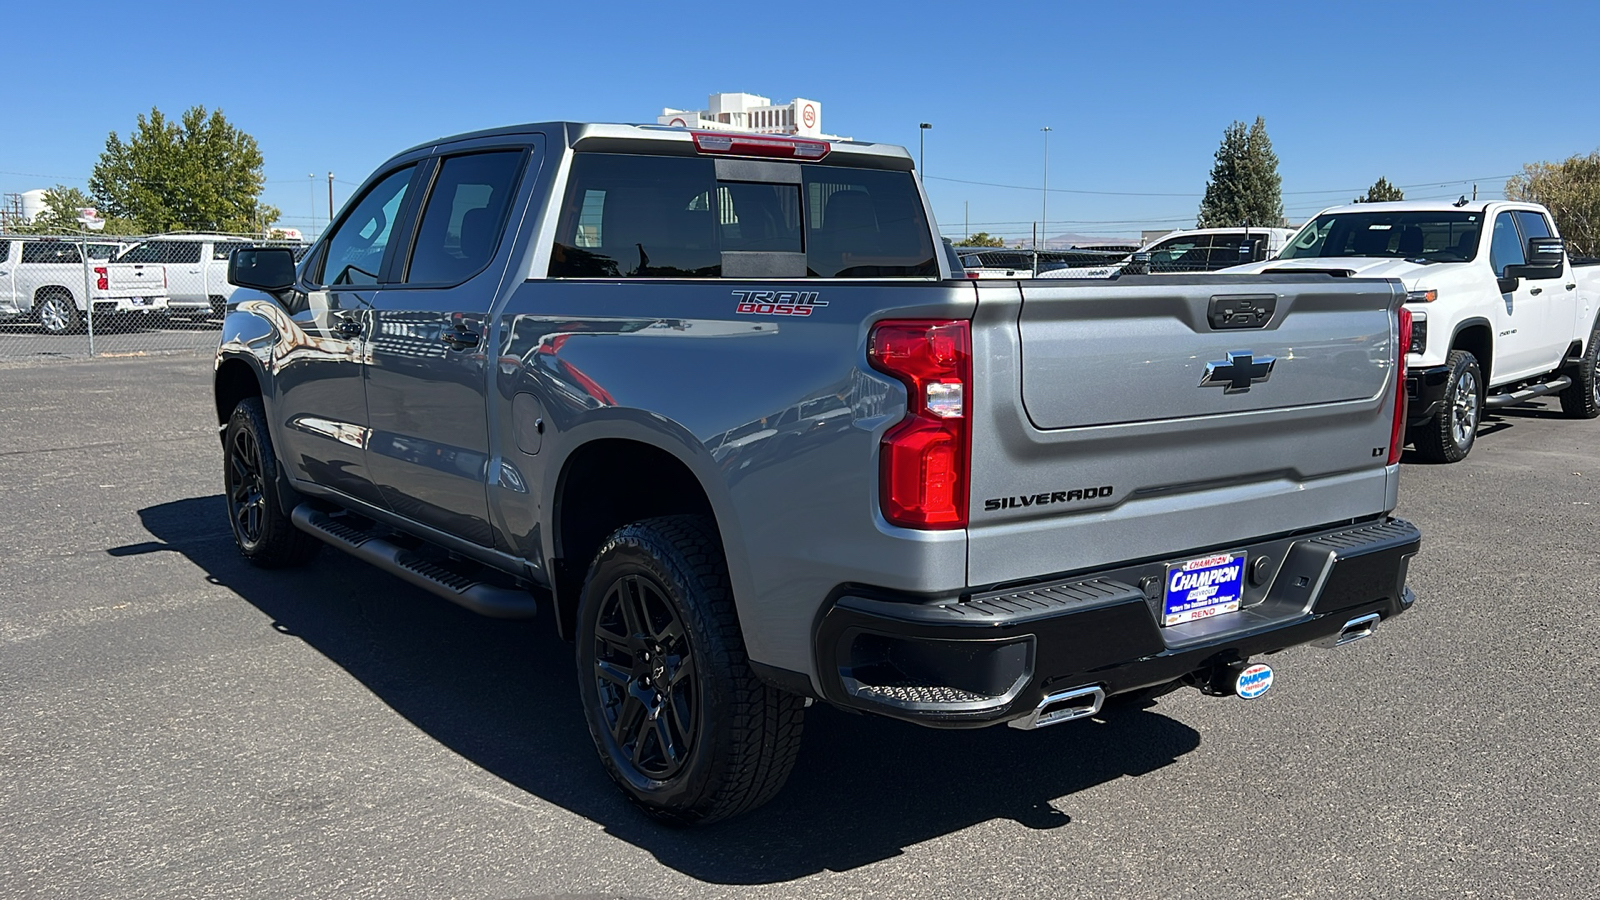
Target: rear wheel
(683, 725)
(1448, 437)
(261, 526)
(57, 312)
(1582, 400)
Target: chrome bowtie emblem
(1236, 373)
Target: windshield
(1432, 236)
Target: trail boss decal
(1072, 496)
(776, 303)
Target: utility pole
(330, 198)
(1044, 212)
(921, 130)
(966, 219)
(312, 182)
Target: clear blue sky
(1429, 95)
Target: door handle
(1535, 292)
(460, 340)
(347, 327)
(1570, 287)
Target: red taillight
(924, 458)
(759, 145)
(100, 280)
(1397, 434)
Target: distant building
(754, 114)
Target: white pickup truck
(1194, 250)
(1499, 313)
(47, 281)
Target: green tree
(982, 239)
(1245, 188)
(1571, 190)
(1380, 192)
(199, 173)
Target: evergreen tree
(1380, 192)
(197, 174)
(1245, 188)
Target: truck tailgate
(136, 279)
(1125, 420)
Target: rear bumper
(142, 304)
(1425, 389)
(978, 660)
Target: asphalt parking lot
(175, 723)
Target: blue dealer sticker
(1204, 587)
(1253, 681)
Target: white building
(752, 113)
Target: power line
(1023, 187)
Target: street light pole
(1044, 211)
(311, 184)
(920, 129)
(330, 198)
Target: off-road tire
(1582, 399)
(1449, 435)
(261, 526)
(742, 735)
(56, 312)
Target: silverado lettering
(1093, 493)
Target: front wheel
(1582, 399)
(1449, 435)
(261, 526)
(682, 723)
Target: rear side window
(176, 252)
(50, 252)
(5, 250)
(465, 215)
(223, 251)
(628, 216)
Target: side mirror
(1546, 253)
(1508, 283)
(269, 269)
(1138, 264)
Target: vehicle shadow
(503, 696)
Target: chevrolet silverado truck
(48, 281)
(1499, 314)
(719, 404)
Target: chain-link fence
(87, 295)
(1179, 252)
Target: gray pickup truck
(718, 403)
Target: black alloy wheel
(261, 527)
(681, 721)
(645, 674)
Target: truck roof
(600, 131)
(1472, 206)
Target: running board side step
(484, 599)
(1500, 401)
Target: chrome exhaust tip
(1063, 706)
(1353, 630)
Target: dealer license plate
(1201, 588)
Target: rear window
(628, 216)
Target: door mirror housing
(1508, 282)
(269, 269)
